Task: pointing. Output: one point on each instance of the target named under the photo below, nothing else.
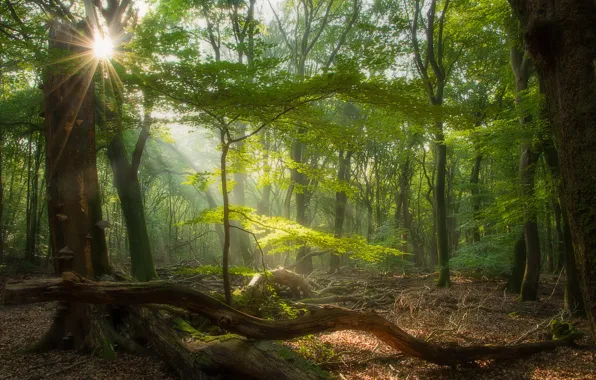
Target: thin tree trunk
(441, 207)
(474, 182)
(549, 239)
(301, 183)
(242, 246)
(341, 199)
(560, 244)
(225, 146)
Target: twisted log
(326, 318)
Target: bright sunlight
(103, 47)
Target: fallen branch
(73, 288)
(330, 299)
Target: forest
(297, 189)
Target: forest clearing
(297, 189)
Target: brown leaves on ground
(22, 326)
(471, 312)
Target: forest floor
(471, 312)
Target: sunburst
(90, 55)
(103, 47)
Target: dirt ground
(471, 312)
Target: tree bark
(230, 357)
(1, 196)
(573, 296)
(131, 200)
(241, 240)
(560, 37)
(319, 319)
(225, 146)
(474, 182)
(521, 66)
(69, 127)
(341, 198)
(441, 206)
(32, 208)
(514, 282)
(300, 188)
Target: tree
(560, 38)
(434, 71)
(71, 182)
(126, 179)
(521, 65)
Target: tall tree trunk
(225, 146)
(131, 200)
(1, 196)
(560, 245)
(441, 208)
(521, 66)
(573, 296)
(263, 206)
(474, 182)
(30, 243)
(548, 246)
(528, 161)
(70, 121)
(301, 183)
(518, 266)
(378, 213)
(341, 199)
(560, 37)
(241, 240)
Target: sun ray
(79, 67)
(89, 78)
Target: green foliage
(491, 257)
(216, 270)
(313, 349)
(279, 235)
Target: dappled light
(280, 189)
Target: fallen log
(282, 276)
(327, 318)
(217, 357)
